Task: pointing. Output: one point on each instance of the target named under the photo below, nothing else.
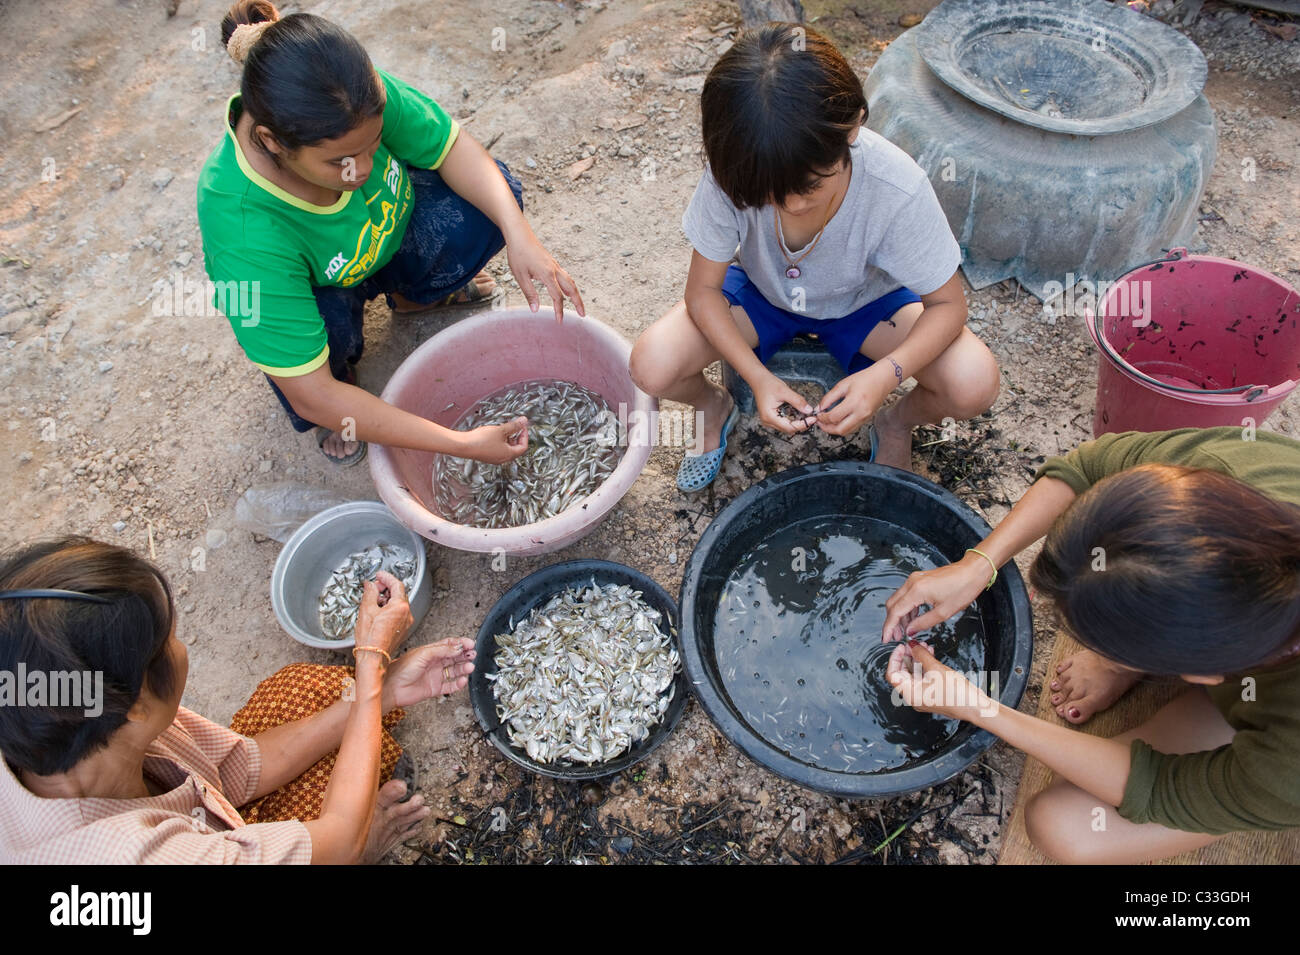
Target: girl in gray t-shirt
(806, 222)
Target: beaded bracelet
(994, 578)
(379, 650)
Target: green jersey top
(1254, 781)
(257, 236)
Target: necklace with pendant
(793, 272)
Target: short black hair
(125, 639)
(777, 110)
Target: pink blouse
(211, 770)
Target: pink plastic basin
(444, 377)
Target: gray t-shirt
(889, 232)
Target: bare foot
(335, 447)
(484, 284)
(1087, 683)
(893, 441)
(715, 416)
(393, 821)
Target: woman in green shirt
(336, 183)
(1171, 555)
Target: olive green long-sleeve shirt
(1254, 781)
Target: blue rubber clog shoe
(698, 471)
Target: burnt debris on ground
(547, 821)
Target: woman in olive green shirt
(1174, 554)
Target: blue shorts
(843, 337)
(447, 242)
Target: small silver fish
(569, 456)
(341, 598)
(571, 681)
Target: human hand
(853, 400)
(770, 394)
(384, 617)
(945, 589)
(530, 262)
(497, 443)
(435, 669)
(928, 686)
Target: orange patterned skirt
(298, 691)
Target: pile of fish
(585, 676)
(341, 597)
(573, 448)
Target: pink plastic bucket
(1194, 341)
(443, 378)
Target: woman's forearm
(1031, 517)
(336, 405)
(1095, 764)
(339, 834)
(473, 175)
(290, 749)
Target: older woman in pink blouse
(127, 775)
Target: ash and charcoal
(548, 821)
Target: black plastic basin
(840, 489)
(517, 602)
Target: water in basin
(796, 638)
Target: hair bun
(242, 39)
(247, 19)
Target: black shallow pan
(518, 602)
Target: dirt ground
(144, 429)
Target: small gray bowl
(321, 544)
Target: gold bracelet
(379, 650)
(994, 578)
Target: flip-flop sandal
(473, 296)
(873, 439)
(698, 471)
(356, 457)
